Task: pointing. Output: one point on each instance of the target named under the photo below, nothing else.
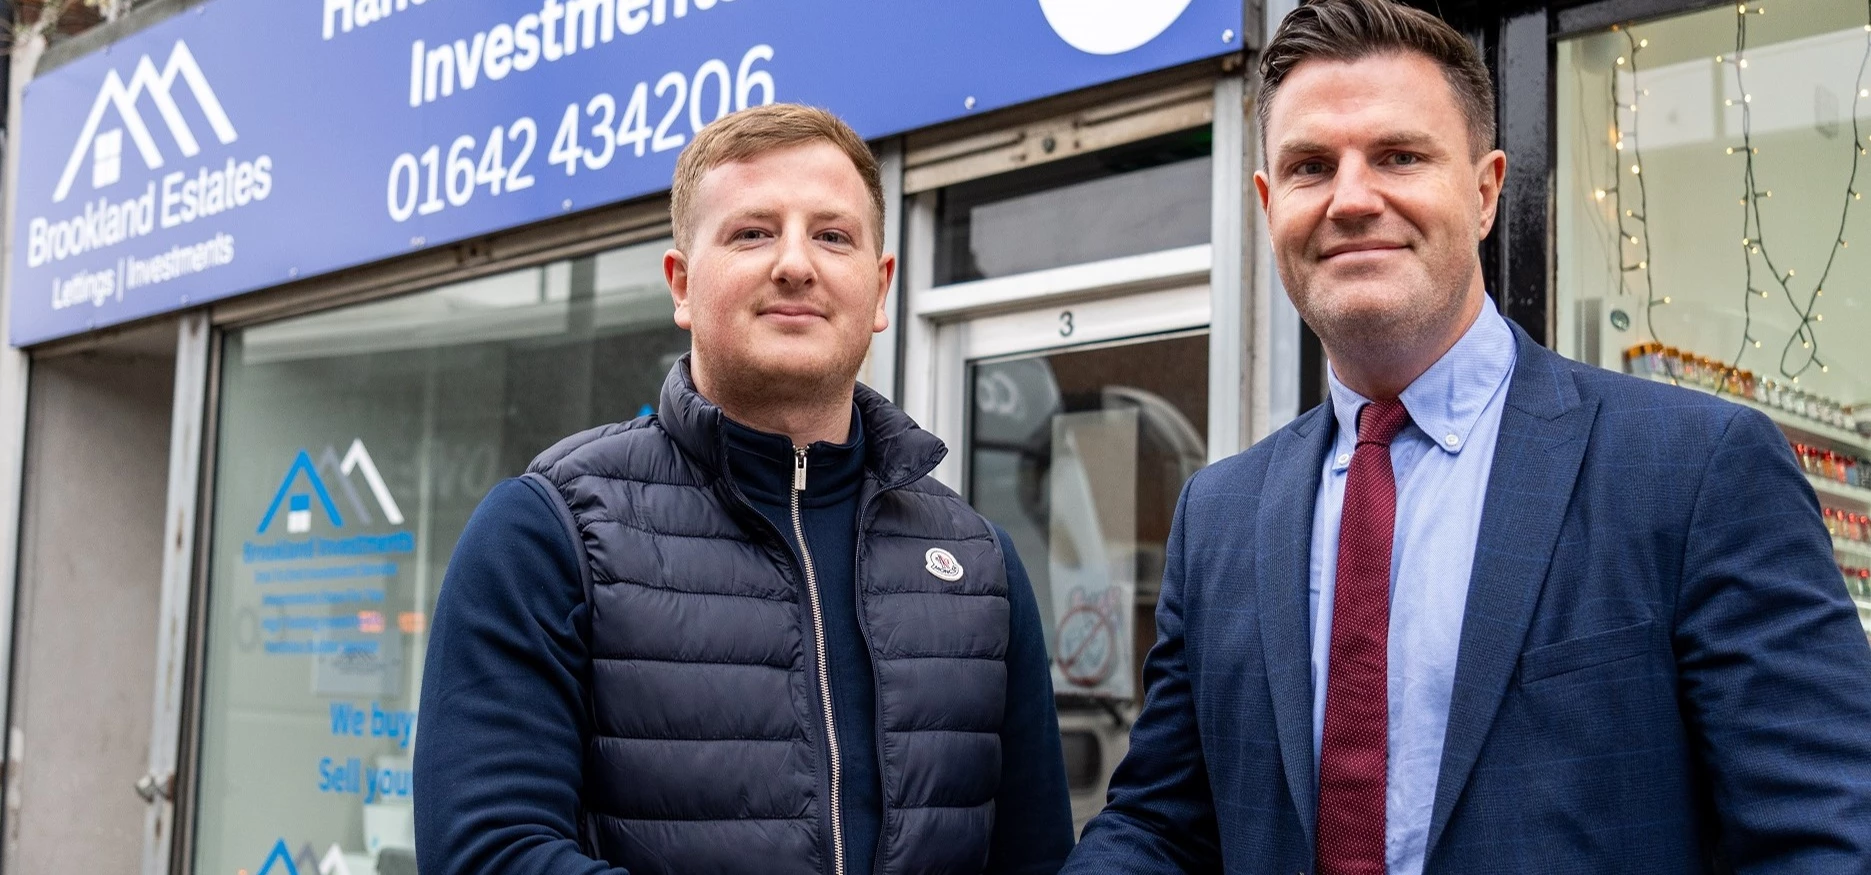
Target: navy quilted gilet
(708, 752)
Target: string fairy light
(1753, 226)
(1628, 144)
(1640, 215)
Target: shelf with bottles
(1846, 551)
(1850, 531)
(1857, 581)
(1840, 496)
(1808, 417)
(1840, 475)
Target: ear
(1262, 185)
(676, 273)
(1490, 173)
(886, 270)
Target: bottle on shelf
(1653, 360)
(1857, 580)
(1854, 528)
(1644, 360)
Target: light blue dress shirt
(1441, 461)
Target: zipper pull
(799, 469)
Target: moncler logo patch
(942, 564)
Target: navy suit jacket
(1659, 669)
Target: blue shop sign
(245, 143)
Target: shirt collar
(1448, 399)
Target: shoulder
(929, 504)
(517, 540)
(517, 515)
(638, 448)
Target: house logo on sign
(302, 485)
(105, 147)
(1111, 27)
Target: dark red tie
(1353, 753)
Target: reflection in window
(1712, 230)
(1710, 167)
(353, 445)
(1129, 200)
(1080, 455)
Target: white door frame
(1069, 306)
(1222, 285)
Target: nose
(1355, 193)
(792, 265)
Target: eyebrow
(1399, 139)
(766, 215)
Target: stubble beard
(752, 391)
(1384, 335)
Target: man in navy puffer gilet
(707, 736)
(684, 644)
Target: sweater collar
(763, 465)
(895, 450)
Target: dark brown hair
(756, 131)
(1351, 30)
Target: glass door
(1080, 454)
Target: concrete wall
(97, 438)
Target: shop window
(1711, 228)
(1139, 198)
(353, 445)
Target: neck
(823, 414)
(1380, 368)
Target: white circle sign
(1110, 27)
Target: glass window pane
(1080, 455)
(354, 444)
(1128, 200)
(1711, 230)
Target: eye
(750, 234)
(1309, 168)
(838, 237)
(1406, 159)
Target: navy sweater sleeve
(499, 750)
(1033, 813)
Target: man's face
(1374, 201)
(782, 284)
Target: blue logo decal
(280, 856)
(299, 510)
(306, 863)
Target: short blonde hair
(756, 131)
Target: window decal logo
(298, 500)
(280, 861)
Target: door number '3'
(1065, 323)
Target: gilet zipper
(836, 765)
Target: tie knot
(1379, 421)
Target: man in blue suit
(1487, 609)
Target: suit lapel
(1284, 533)
(1544, 431)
